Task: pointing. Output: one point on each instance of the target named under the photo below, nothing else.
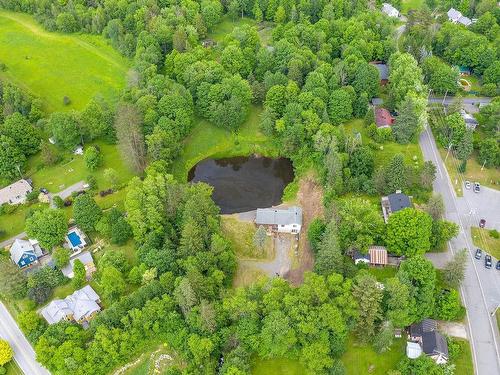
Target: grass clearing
(411, 152)
(241, 234)
(362, 359)
(12, 224)
(408, 5)
(487, 177)
(226, 26)
(246, 275)
(154, 362)
(52, 65)
(463, 363)
(383, 273)
(207, 140)
(279, 366)
(482, 239)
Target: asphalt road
(481, 287)
(24, 355)
(449, 100)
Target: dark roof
(434, 343)
(426, 325)
(398, 201)
(383, 70)
(359, 255)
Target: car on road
(482, 223)
(487, 261)
(467, 184)
(498, 265)
(477, 187)
(479, 253)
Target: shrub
(489, 89)
(32, 196)
(66, 100)
(58, 201)
(494, 233)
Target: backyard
(52, 65)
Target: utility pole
(444, 99)
(448, 152)
(482, 167)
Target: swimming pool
(75, 239)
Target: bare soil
(310, 198)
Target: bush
(449, 306)
(58, 201)
(32, 196)
(489, 89)
(384, 135)
(92, 181)
(66, 100)
(494, 233)
(3, 370)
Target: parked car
(482, 223)
(477, 187)
(487, 261)
(43, 190)
(467, 184)
(498, 265)
(479, 253)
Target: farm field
(51, 65)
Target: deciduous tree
(86, 212)
(48, 226)
(409, 232)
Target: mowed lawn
(53, 65)
(481, 238)
(207, 140)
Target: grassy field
(482, 239)
(226, 26)
(246, 275)
(407, 5)
(241, 234)
(280, 366)
(145, 364)
(13, 224)
(52, 65)
(411, 151)
(463, 363)
(383, 273)
(207, 140)
(362, 359)
(487, 177)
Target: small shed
(378, 255)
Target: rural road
(450, 99)
(24, 355)
(481, 287)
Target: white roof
(413, 350)
(466, 21)
(19, 248)
(453, 14)
(80, 304)
(15, 193)
(274, 216)
(85, 257)
(390, 10)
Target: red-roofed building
(383, 118)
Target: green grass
(497, 314)
(482, 239)
(226, 26)
(13, 224)
(53, 65)
(383, 273)
(13, 368)
(463, 363)
(411, 151)
(407, 5)
(241, 234)
(281, 366)
(362, 359)
(207, 140)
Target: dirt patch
(310, 198)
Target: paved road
(24, 354)
(449, 100)
(481, 288)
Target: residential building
(383, 71)
(433, 344)
(393, 203)
(81, 307)
(88, 262)
(359, 257)
(390, 10)
(15, 193)
(470, 121)
(383, 118)
(25, 253)
(280, 220)
(456, 16)
(377, 255)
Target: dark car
(487, 261)
(43, 190)
(479, 253)
(477, 187)
(482, 223)
(498, 265)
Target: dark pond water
(244, 183)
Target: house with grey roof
(287, 220)
(456, 16)
(15, 193)
(433, 344)
(393, 203)
(25, 253)
(390, 10)
(88, 262)
(470, 121)
(81, 307)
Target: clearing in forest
(52, 65)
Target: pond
(244, 183)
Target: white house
(456, 16)
(15, 193)
(390, 10)
(280, 220)
(81, 307)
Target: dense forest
(310, 77)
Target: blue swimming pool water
(75, 239)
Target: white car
(467, 185)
